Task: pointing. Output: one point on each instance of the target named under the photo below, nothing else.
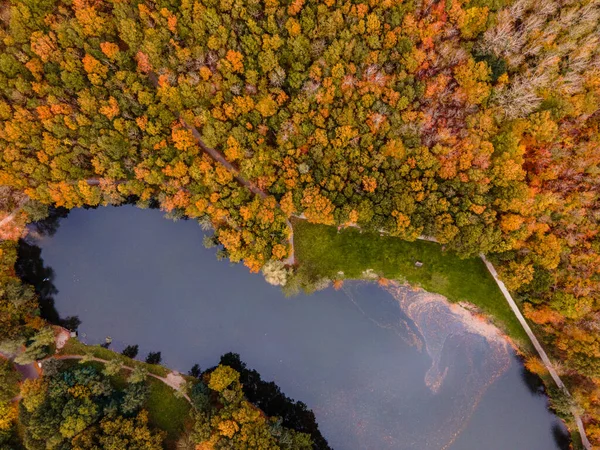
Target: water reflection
(31, 269)
(269, 398)
(467, 357)
(48, 226)
(532, 381)
(561, 437)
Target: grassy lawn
(166, 410)
(324, 251)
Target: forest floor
(325, 252)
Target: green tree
(9, 381)
(134, 398)
(112, 367)
(222, 377)
(131, 351)
(37, 347)
(138, 374)
(116, 433)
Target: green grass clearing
(167, 410)
(323, 252)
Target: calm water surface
(353, 356)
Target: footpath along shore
(34, 370)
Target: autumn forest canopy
(475, 122)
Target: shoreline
(483, 324)
(475, 322)
(477, 316)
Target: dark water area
(361, 358)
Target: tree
(52, 366)
(134, 398)
(112, 367)
(37, 347)
(295, 415)
(119, 432)
(235, 422)
(131, 351)
(58, 408)
(195, 371)
(138, 374)
(275, 273)
(78, 408)
(473, 79)
(9, 379)
(153, 358)
(222, 377)
(8, 416)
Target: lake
(381, 369)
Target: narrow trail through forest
(215, 154)
(10, 217)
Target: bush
(138, 375)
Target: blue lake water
(354, 356)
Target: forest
(92, 405)
(474, 122)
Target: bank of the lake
(348, 253)
(353, 356)
(325, 251)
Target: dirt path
(27, 371)
(31, 371)
(221, 159)
(174, 379)
(213, 153)
(98, 181)
(291, 259)
(13, 213)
